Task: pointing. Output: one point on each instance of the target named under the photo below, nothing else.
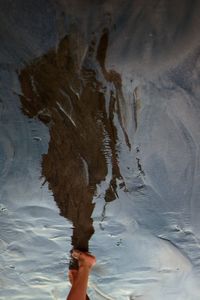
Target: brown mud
(64, 93)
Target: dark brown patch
(68, 98)
(136, 104)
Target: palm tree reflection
(63, 92)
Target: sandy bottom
(135, 264)
(132, 263)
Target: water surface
(99, 118)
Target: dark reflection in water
(65, 94)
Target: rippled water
(99, 132)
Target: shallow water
(99, 131)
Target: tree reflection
(63, 92)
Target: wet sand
(99, 122)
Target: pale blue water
(147, 240)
